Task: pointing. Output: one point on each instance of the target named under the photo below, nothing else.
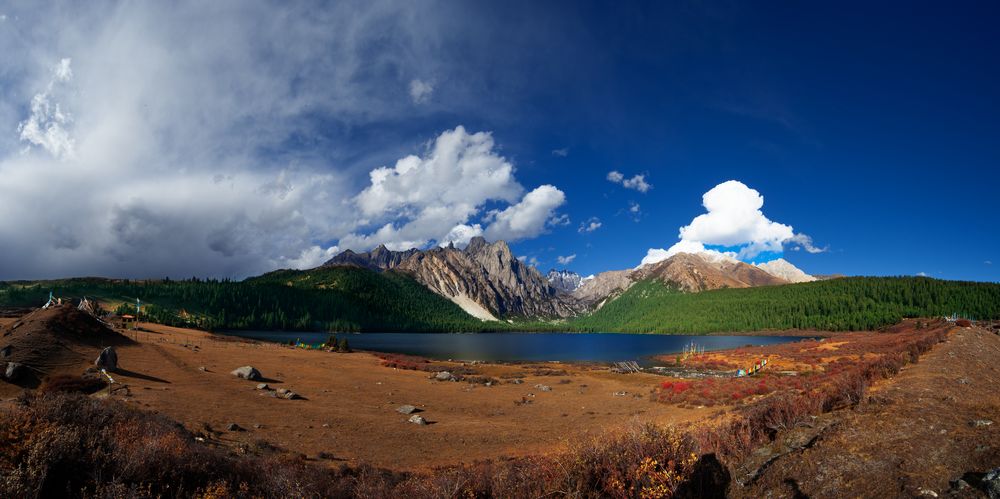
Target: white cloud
(922, 274)
(805, 242)
(433, 197)
(312, 257)
(733, 219)
(566, 260)
(420, 91)
(48, 124)
(988, 262)
(592, 224)
(527, 218)
(637, 182)
(461, 234)
(562, 153)
(560, 220)
(533, 261)
(633, 207)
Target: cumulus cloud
(527, 218)
(566, 260)
(592, 224)
(420, 91)
(433, 197)
(637, 182)
(734, 220)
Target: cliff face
(492, 277)
(485, 279)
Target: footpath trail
(916, 435)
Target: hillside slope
(335, 299)
(856, 303)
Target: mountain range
(488, 282)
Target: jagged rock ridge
(484, 279)
(564, 280)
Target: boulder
(13, 371)
(407, 409)
(444, 376)
(286, 394)
(247, 372)
(107, 360)
(234, 427)
(418, 420)
(991, 483)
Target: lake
(521, 347)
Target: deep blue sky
(873, 129)
(231, 139)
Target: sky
(228, 139)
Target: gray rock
(286, 394)
(247, 372)
(107, 360)
(263, 386)
(544, 388)
(444, 376)
(991, 483)
(418, 419)
(516, 381)
(980, 422)
(406, 409)
(13, 371)
(6, 351)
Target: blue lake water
(532, 347)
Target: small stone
(418, 420)
(263, 386)
(544, 388)
(407, 409)
(444, 376)
(234, 427)
(247, 372)
(13, 371)
(928, 493)
(980, 422)
(326, 425)
(258, 426)
(203, 369)
(516, 381)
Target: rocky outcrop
(595, 292)
(380, 258)
(783, 269)
(564, 280)
(489, 275)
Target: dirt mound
(56, 340)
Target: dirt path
(929, 425)
(350, 401)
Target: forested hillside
(856, 303)
(334, 299)
(355, 299)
